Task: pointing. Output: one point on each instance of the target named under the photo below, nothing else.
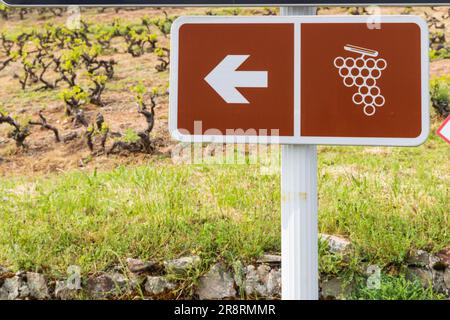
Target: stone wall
(155, 280)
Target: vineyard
(87, 177)
(67, 81)
(75, 65)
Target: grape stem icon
(363, 72)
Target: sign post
(308, 80)
(299, 81)
(299, 229)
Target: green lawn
(385, 200)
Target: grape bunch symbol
(363, 72)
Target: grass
(386, 200)
(150, 212)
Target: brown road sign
(300, 80)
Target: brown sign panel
(270, 107)
(300, 80)
(381, 95)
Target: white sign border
(297, 20)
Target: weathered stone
(271, 259)
(100, 286)
(64, 291)
(135, 265)
(182, 265)
(336, 244)
(439, 282)
(256, 280)
(120, 280)
(37, 284)
(418, 258)
(217, 284)
(447, 278)
(434, 263)
(139, 266)
(444, 258)
(335, 288)
(22, 275)
(136, 280)
(158, 285)
(10, 288)
(24, 291)
(423, 275)
(274, 283)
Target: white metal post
(299, 234)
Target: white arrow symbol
(224, 79)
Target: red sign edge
(442, 127)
